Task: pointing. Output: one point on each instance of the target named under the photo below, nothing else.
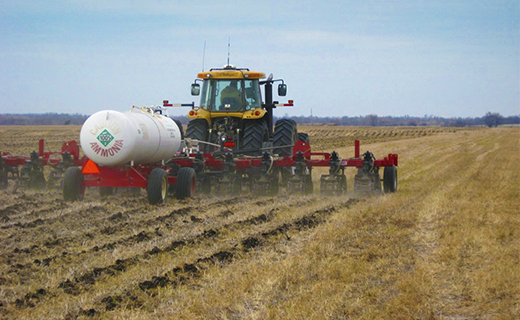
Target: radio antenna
(228, 46)
(203, 55)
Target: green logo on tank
(105, 137)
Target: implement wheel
(157, 187)
(186, 183)
(72, 180)
(390, 179)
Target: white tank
(111, 138)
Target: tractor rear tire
(157, 187)
(186, 183)
(72, 180)
(255, 134)
(285, 134)
(390, 179)
(198, 129)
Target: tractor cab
(229, 90)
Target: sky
(338, 58)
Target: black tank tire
(72, 180)
(303, 137)
(157, 186)
(255, 134)
(198, 129)
(285, 133)
(106, 191)
(181, 129)
(186, 183)
(390, 179)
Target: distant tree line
(42, 119)
(490, 119)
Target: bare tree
(493, 119)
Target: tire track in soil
(83, 282)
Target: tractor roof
(230, 72)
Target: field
(445, 246)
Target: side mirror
(195, 89)
(282, 89)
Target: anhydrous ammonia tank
(111, 138)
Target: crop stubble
(444, 246)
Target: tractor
(232, 116)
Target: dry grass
(445, 246)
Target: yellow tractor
(232, 115)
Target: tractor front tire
(186, 183)
(157, 187)
(72, 180)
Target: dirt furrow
(115, 228)
(88, 278)
(236, 249)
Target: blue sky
(338, 58)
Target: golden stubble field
(445, 246)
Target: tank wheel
(186, 183)
(303, 137)
(390, 179)
(106, 191)
(285, 134)
(198, 129)
(157, 187)
(255, 134)
(72, 180)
